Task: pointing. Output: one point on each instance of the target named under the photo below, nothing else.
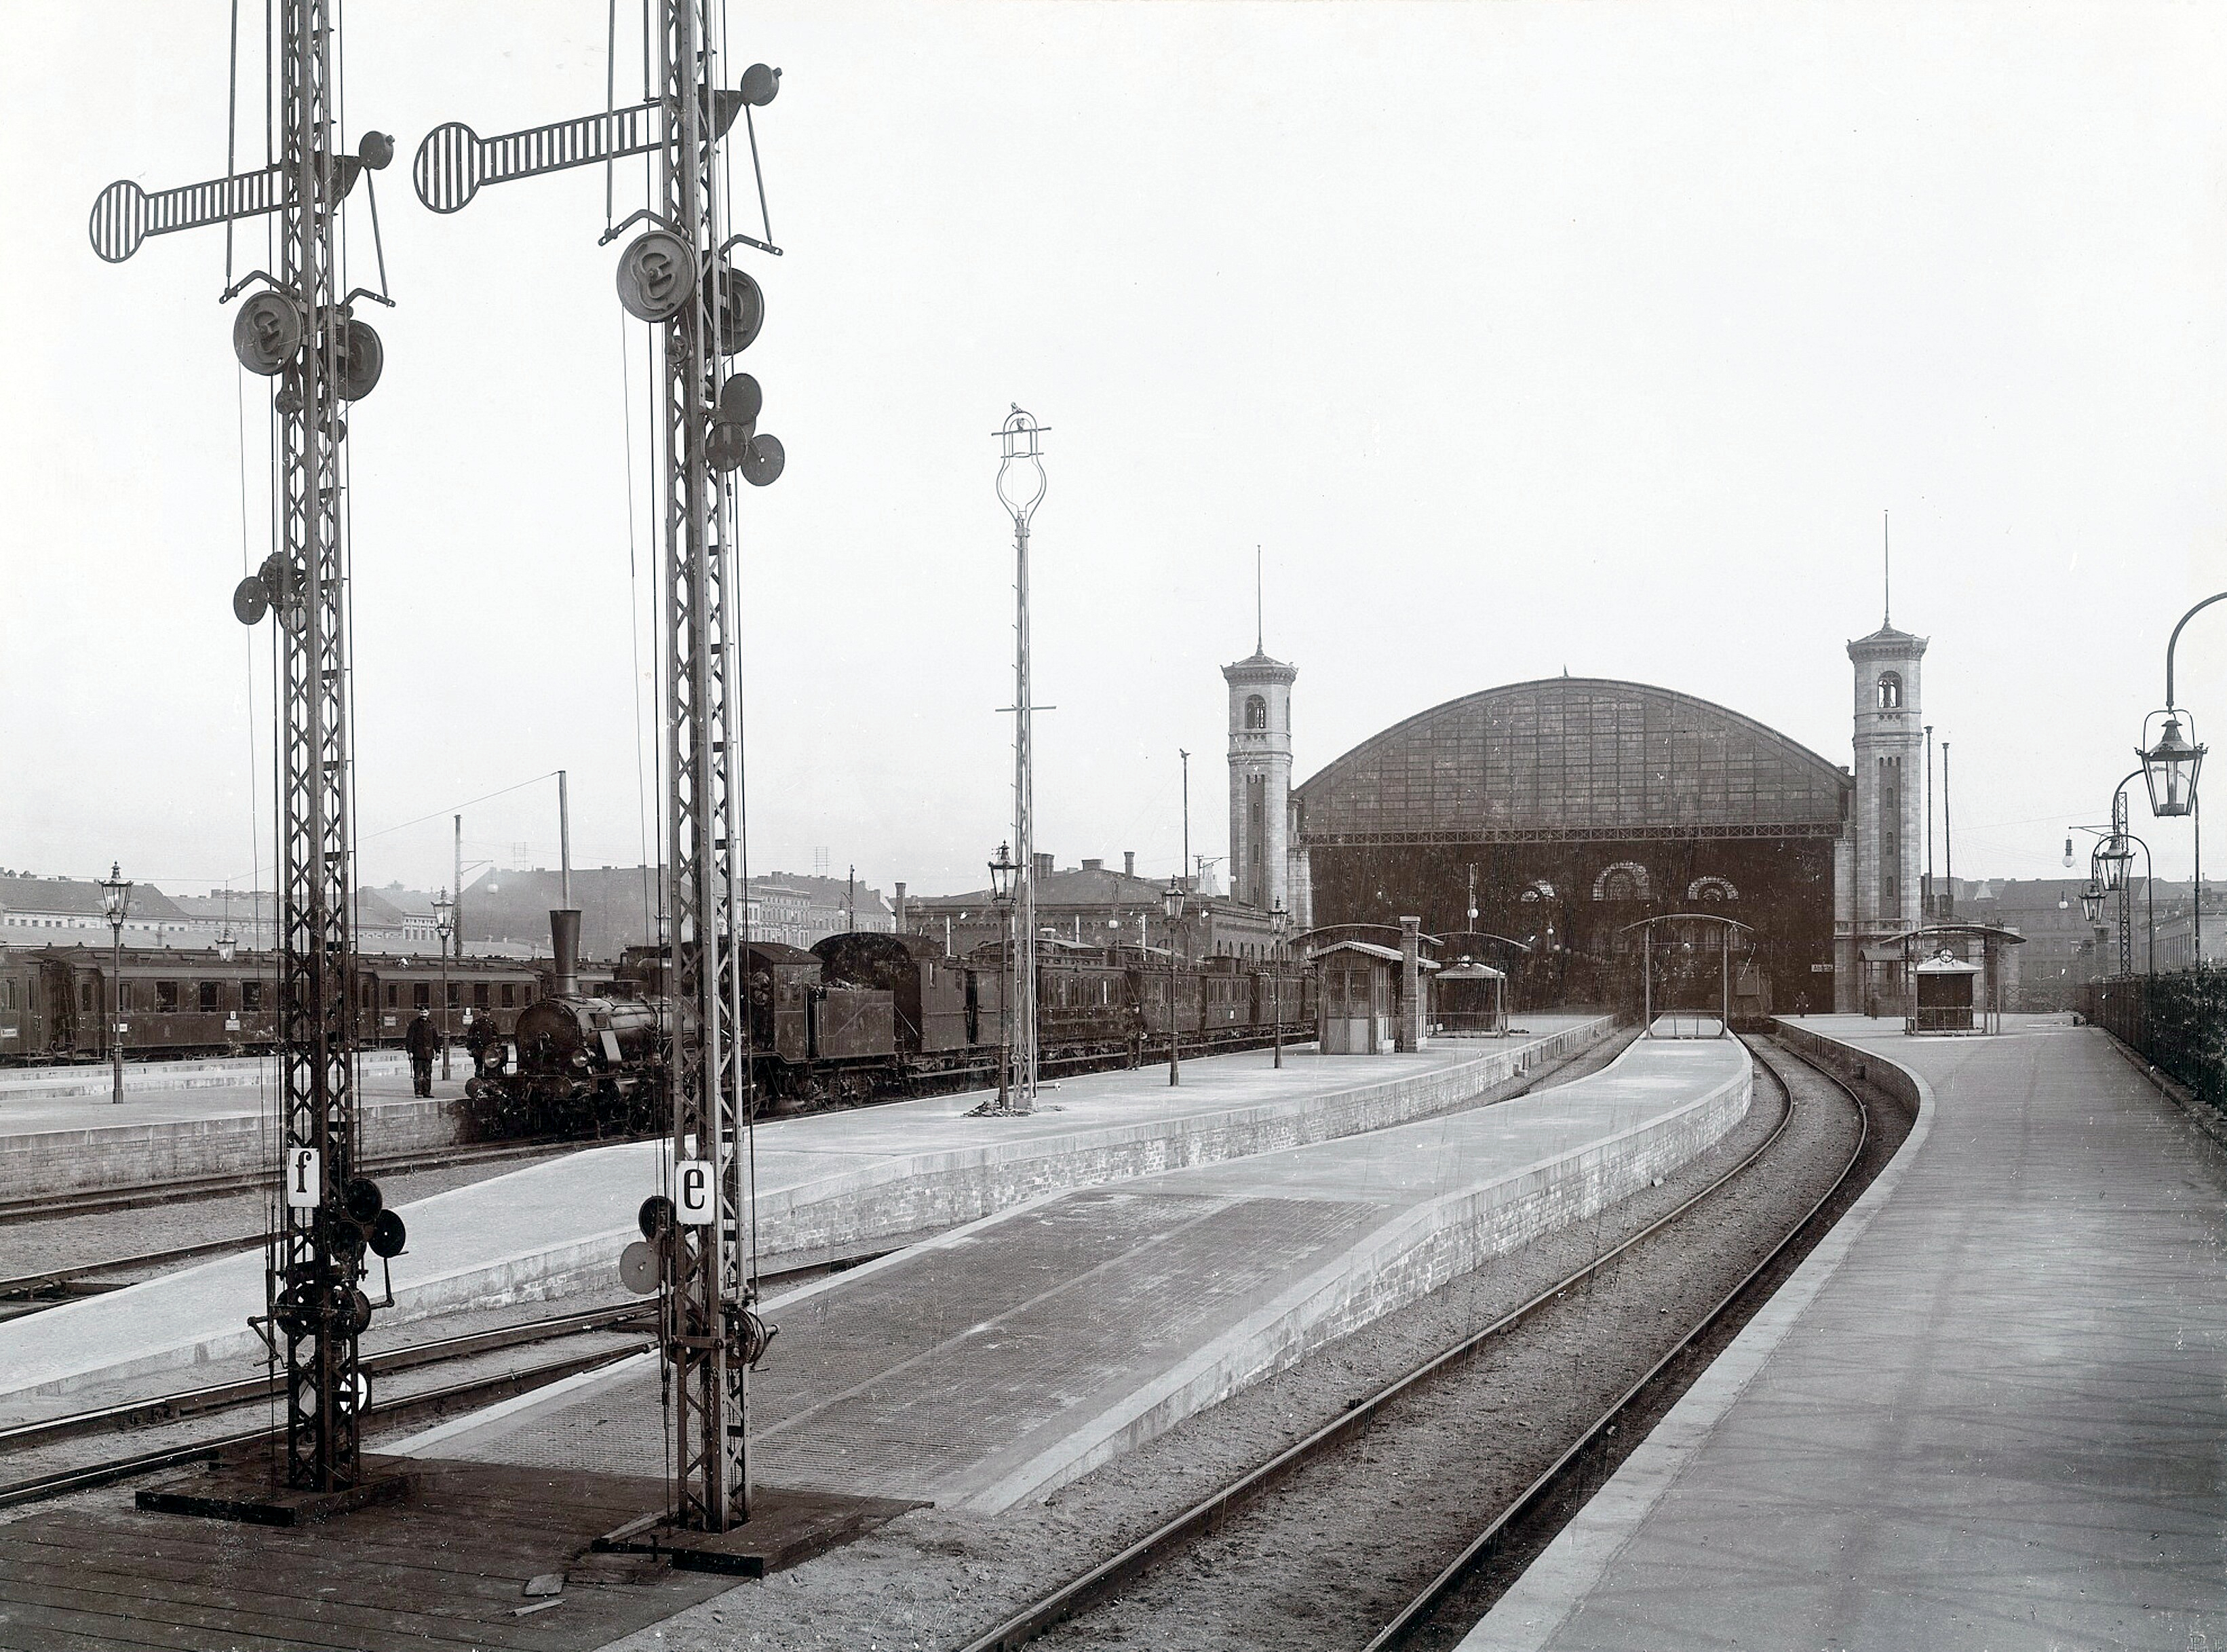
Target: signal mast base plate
(250, 1490)
(786, 1528)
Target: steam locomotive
(864, 1018)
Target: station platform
(1004, 1359)
(830, 1186)
(63, 1132)
(1989, 1410)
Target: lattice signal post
(676, 274)
(301, 332)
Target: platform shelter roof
(1573, 757)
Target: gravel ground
(1326, 1558)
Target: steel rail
(225, 1396)
(1424, 1604)
(1064, 1602)
(475, 1391)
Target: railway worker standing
(421, 1041)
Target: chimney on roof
(1094, 865)
(897, 922)
(1044, 865)
(1128, 862)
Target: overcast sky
(1522, 337)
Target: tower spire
(1886, 571)
(1260, 628)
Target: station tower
(1876, 893)
(1260, 784)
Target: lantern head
(2171, 766)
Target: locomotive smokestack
(564, 942)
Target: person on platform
(422, 1041)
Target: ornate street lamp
(442, 908)
(1001, 892)
(1172, 902)
(2113, 859)
(116, 902)
(1281, 922)
(2091, 902)
(2171, 766)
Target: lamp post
(1001, 893)
(1021, 488)
(1281, 922)
(443, 907)
(2170, 766)
(1172, 902)
(116, 902)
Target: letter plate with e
(694, 1194)
(305, 1187)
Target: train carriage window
(479, 995)
(208, 997)
(455, 994)
(7, 995)
(393, 995)
(166, 995)
(421, 995)
(251, 995)
(84, 997)
(509, 995)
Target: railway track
(1188, 1528)
(215, 1399)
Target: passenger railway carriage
(60, 1004)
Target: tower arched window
(1256, 713)
(1889, 691)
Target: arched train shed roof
(1573, 757)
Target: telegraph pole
(301, 332)
(677, 275)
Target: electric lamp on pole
(1172, 902)
(2169, 768)
(443, 909)
(116, 902)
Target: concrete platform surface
(1988, 1412)
(235, 1091)
(94, 1080)
(829, 1184)
(1003, 1360)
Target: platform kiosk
(1358, 1004)
(1946, 984)
(1685, 969)
(1954, 995)
(1470, 1001)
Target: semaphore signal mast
(300, 331)
(677, 275)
